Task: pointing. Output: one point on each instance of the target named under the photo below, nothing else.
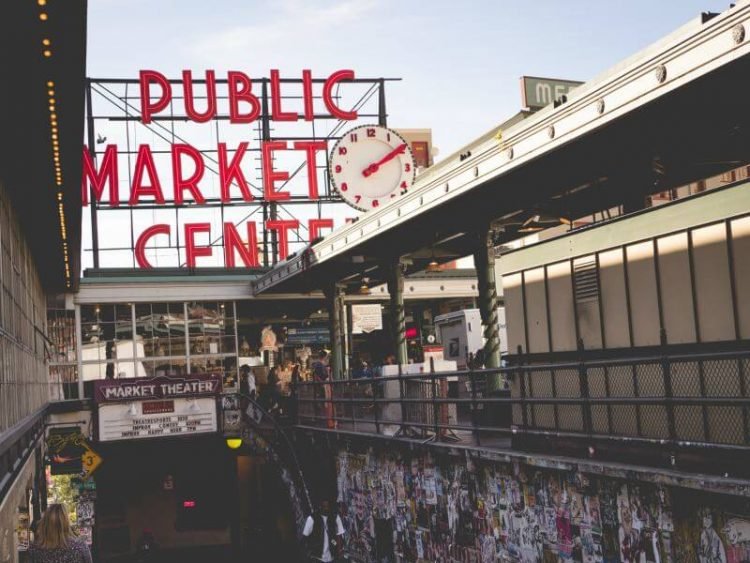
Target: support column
(398, 314)
(484, 261)
(333, 304)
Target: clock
(370, 165)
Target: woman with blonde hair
(55, 542)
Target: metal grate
(586, 281)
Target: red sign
(158, 407)
(188, 167)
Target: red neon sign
(198, 96)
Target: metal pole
(79, 350)
(382, 115)
(334, 327)
(484, 260)
(398, 314)
(92, 201)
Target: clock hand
(375, 166)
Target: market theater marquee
(156, 407)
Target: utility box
(460, 333)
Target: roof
(34, 74)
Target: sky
(460, 64)
(460, 61)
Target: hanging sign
(367, 318)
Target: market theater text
(243, 106)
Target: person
(320, 367)
(324, 533)
(247, 382)
(55, 541)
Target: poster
(367, 318)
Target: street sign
(537, 92)
(310, 335)
(90, 462)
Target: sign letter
(311, 147)
(107, 172)
(283, 228)
(232, 242)
(240, 90)
(270, 177)
(232, 171)
(333, 109)
(140, 246)
(191, 183)
(191, 249)
(148, 108)
(187, 88)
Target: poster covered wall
(444, 510)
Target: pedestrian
(324, 533)
(247, 382)
(55, 541)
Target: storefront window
(162, 342)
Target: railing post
(435, 404)
(522, 387)
(666, 369)
(474, 412)
(293, 402)
(375, 403)
(350, 385)
(584, 383)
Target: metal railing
(679, 400)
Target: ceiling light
(43, 16)
(47, 53)
(433, 267)
(45, 42)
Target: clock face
(370, 165)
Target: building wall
(687, 283)
(18, 496)
(23, 372)
(469, 510)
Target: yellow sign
(90, 461)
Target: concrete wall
(435, 508)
